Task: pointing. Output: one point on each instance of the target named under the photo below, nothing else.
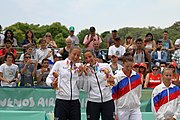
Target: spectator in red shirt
(153, 79)
(8, 48)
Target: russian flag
(162, 98)
(124, 86)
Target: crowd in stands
(152, 60)
(148, 55)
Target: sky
(104, 15)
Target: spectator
(175, 76)
(135, 67)
(68, 81)
(29, 40)
(42, 73)
(8, 48)
(162, 66)
(177, 44)
(158, 55)
(117, 49)
(29, 50)
(50, 42)
(1, 37)
(43, 53)
(9, 35)
(65, 51)
(143, 70)
(28, 71)
(97, 52)
(127, 92)
(153, 79)
(57, 57)
(167, 45)
(128, 42)
(9, 71)
(89, 39)
(141, 54)
(176, 58)
(166, 99)
(115, 66)
(110, 40)
(99, 100)
(150, 43)
(74, 39)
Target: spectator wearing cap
(141, 54)
(135, 67)
(8, 48)
(177, 44)
(110, 40)
(88, 40)
(115, 66)
(143, 70)
(175, 77)
(57, 57)
(117, 49)
(153, 79)
(74, 38)
(158, 55)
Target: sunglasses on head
(136, 67)
(171, 67)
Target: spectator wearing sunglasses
(153, 79)
(28, 70)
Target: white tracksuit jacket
(127, 90)
(166, 102)
(69, 82)
(95, 84)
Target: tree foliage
(60, 32)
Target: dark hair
(6, 41)
(155, 66)
(92, 29)
(90, 52)
(26, 36)
(114, 30)
(165, 31)
(127, 57)
(9, 53)
(41, 40)
(150, 35)
(44, 60)
(26, 54)
(128, 37)
(163, 63)
(139, 39)
(5, 34)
